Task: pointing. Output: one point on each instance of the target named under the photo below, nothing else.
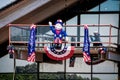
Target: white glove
(50, 23)
(67, 39)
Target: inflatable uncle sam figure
(59, 33)
(57, 51)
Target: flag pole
(14, 68)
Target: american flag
(11, 50)
(31, 44)
(86, 46)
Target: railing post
(110, 35)
(64, 69)
(118, 70)
(37, 70)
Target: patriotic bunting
(62, 54)
(31, 44)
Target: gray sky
(3, 3)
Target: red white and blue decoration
(86, 49)
(31, 44)
(59, 33)
(57, 51)
(11, 50)
(86, 46)
(61, 54)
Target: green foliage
(73, 77)
(61, 77)
(6, 77)
(26, 77)
(94, 78)
(43, 76)
(30, 68)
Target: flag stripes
(86, 58)
(31, 58)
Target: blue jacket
(58, 33)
